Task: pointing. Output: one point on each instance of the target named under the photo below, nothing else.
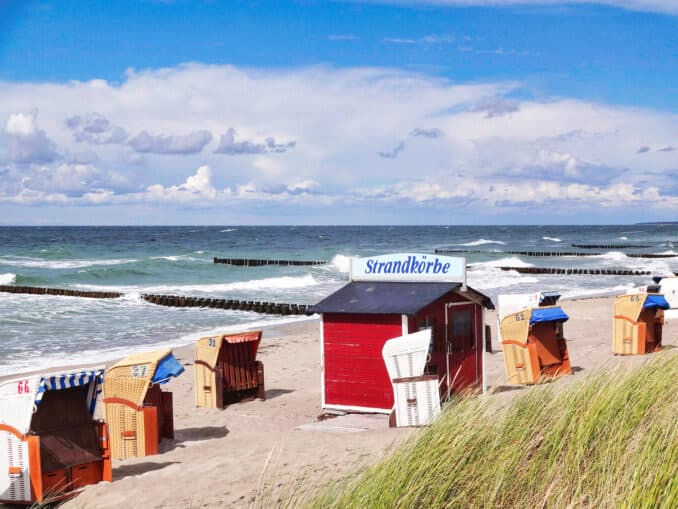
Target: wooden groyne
(548, 253)
(38, 290)
(597, 272)
(611, 246)
(253, 262)
(272, 308)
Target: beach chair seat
(138, 412)
(226, 369)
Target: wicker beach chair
(138, 413)
(50, 443)
(226, 369)
(534, 346)
(638, 323)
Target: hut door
(462, 345)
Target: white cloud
(27, 143)
(312, 137)
(20, 124)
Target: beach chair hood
(20, 397)
(516, 326)
(208, 348)
(632, 305)
(131, 377)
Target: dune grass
(609, 440)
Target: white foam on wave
(552, 239)
(619, 259)
(622, 238)
(7, 278)
(60, 264)
(228, 230)
(340, 263)
(593, 292)
(487, 277)
(178, 258)
(480, 242)
(511, 261)
(274, 283)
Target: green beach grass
(609, 440)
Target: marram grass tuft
(610, 440)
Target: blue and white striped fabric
(91, 382)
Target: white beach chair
(405, 356)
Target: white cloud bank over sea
(326, 140)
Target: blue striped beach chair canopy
(91, 381)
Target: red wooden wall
(355, 373)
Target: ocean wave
(227, 230)
(60, 264)
(552, 239)
(485, 278)
(268, 284)
(619, 259)
(7, 278)
(340, 263)
(480, 242)
(511, 261)
(594, 292)
(177, 258)
(622, 238)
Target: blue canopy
(656, 301)
(548, 315)
(168, 367)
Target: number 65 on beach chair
(226, 369)
(138, 413)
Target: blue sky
(267, 112)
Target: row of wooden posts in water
(39, 290)
(560, 270)
(255, 262)
(548, 253)
(274, 308)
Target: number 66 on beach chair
(138, 413)
(226, 369)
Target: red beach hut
(390, 296)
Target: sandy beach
(255, 452)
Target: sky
(338, 112)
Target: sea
(42, 331)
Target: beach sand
(252, 453)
